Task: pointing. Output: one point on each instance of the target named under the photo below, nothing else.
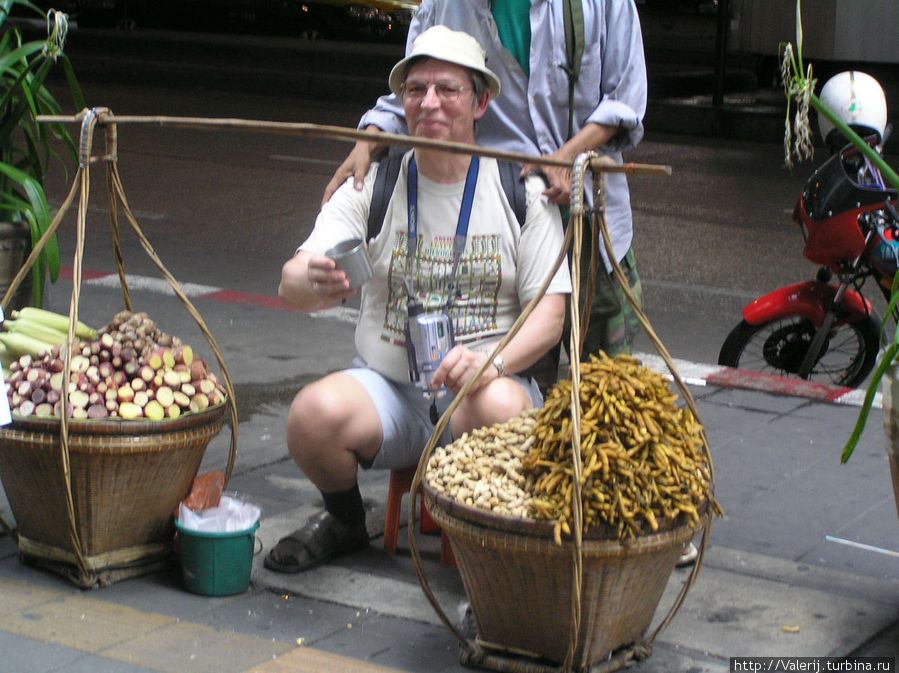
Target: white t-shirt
(500, 271)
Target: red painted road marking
(247, 299)
(219, 294)
(741, 378)
(68, 273)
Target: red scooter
(821, 330)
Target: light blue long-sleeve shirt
(531, 113)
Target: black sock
(346, 506)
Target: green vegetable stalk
(799, 85)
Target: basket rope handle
(576, 223)
(441, 424)
(117, 199)
(114, 201)
(189, 307)
(26, 269)
(714, 508)
(474, 651)
(87, 131)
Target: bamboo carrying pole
(301, 129)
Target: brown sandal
(323, 538)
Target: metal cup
(352, 258)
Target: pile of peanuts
(642, 457)
(484, 469)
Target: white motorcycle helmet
(857, 99)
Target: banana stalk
(18, 344)
(36, 330)
(56, 321)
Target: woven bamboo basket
(127, 477)
(519, 582)
(94, 500)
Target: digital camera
(430, 338)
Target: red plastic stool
(400, 484)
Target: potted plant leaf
(26, 146)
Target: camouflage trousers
(612, 325)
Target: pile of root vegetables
(643, 463)
(131, 370)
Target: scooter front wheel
(779, 346)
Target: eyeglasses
(446, 91)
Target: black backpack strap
(513, 186)
(385, 181)
(573, 13)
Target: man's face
(439, 102)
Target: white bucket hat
(453, 46)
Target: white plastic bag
(231, 516)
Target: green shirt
(513, 22)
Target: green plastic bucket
(216, 564)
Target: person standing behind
(450, 245)
(526, 45)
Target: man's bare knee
(494, 403)
(332, 414)
(315, 418)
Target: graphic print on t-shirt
(478, 280)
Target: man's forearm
(591, 137)
(540, 332)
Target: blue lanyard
(461, 226)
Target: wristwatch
(500, 365)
